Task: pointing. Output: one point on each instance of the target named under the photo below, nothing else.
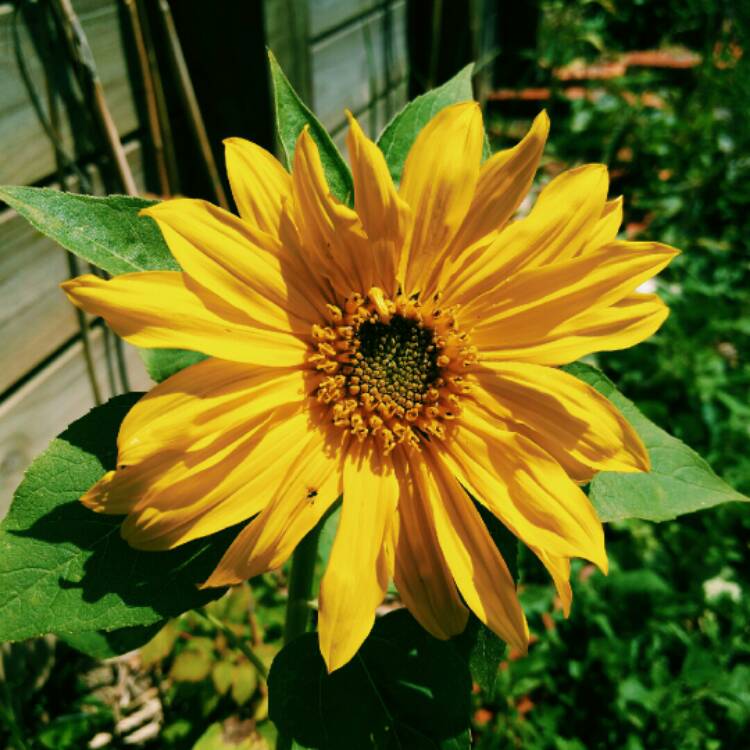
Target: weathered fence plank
(349, 67)
(35, 317)
(45, 405)
(27, 155)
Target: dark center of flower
(391, 369)
(395, 362)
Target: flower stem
(300, 585)
(298, 605)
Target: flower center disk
(395, 363)
(391, 368)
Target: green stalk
(298, 605)
(300, 585)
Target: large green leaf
(404, 689)
(680, 481)
(291, 117)
(103, 644)
(107, 232)
(65, 569)
(401, 132)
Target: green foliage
(292, 115)
(654, 655)
(65, 569)
(107, 232)
(230, 736)
(69, 732)
(680, 481)
(163, 363)
(208, 680)
(404, 689)
(401, 132)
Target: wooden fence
(340, 53)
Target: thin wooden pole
(161, 100)
(82, 58)
(191, 102)
(80, 53)
(152, 109)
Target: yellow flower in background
(402, 353)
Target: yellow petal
(422, 577)
(504, 180)
(440, 177)
(163, 309)
(534, 302)
(525, 488)
(201, 452)
(303, 495)
(226, 482)
(259, 184)
(606, 228)
(384, 215)
(195, 405)
(625, 323)
(565, 213)
(330, 231)
(355, 580)
(571, 420)
(220, 253)
(476, 564)
(559, 569)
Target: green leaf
(680, 481)
(161, 645)
(291, 117)
(101, 644)
(233, 734)
(483, 651)
(163, 363)
(401, 132)
(222, 673)
(404, 689)
(65, 569)
(191, 665)
(107, 232)
(244, 683)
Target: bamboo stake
(191, 102)
(82, 59)
(53, 130)
(80, 53)
(161, 100)
(154, 123)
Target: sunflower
(402, 353)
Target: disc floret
(393, 369)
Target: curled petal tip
(542, 119)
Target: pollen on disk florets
(392, 369)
